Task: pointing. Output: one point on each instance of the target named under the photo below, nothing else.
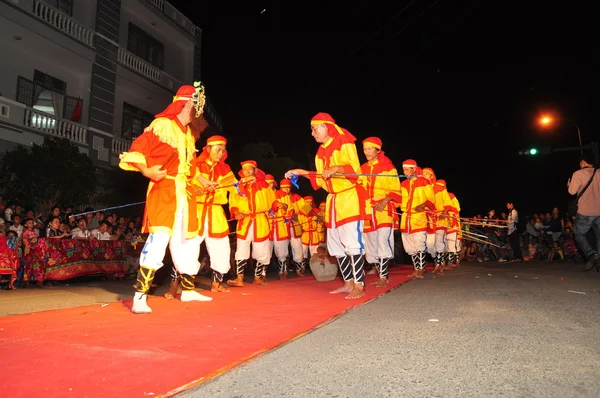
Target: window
(135, 120)
(146, 47)
(65, 6)
(47, 94)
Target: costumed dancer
(439, 221)
(309, 219)
(281, 227)
(214, 228)
(250, 206)
(454, 232)
(346, 201)
(384, 196)
(417, 196)
(321, 229)
(164, 153)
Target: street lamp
(547, 120)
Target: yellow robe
(259, 200)
(379, 188)
(347, 198)
(416, 191)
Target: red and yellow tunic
(443, 202)
(168, 143)
(347, 197)
(454, 215)
(281, 228)
(415, 192)
(210, 204)
(297, 203)
(310, 233)
(379, 188)
(259, 199)
(321, 226)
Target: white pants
(346, 240)
(415, 242)
(452, 244)
(282, 249)
(309, 250)
(436, 243)
(261, 251)
(379, 244)
(184, 252)
(219, 251)
(297, 251)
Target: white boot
(192, 295)
(139, 304)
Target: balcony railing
(139, 65)
(119, 146)
(63, 22)
(52, 125)
(170, 11)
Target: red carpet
(108, 351)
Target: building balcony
(146, 69)
(24, 125)
(63, 22)
(175, 15)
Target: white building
(92, 71)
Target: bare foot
(237, 282)
(347, 288)
(420, 274)
(283, 275)
(414, 274)
(169, 296)
(218, 288)
(382, 282)
(356, 293)
(258, 280)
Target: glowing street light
(547, 121)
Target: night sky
(455, 85)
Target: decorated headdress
(195, 93)
(412, 163)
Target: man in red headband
(321, 229)
(214, 229)
(165, 153)
(309, 218)
(250, 206)
(454, 232)
(346, 209)
(439, 221)
(294, 203)
(281, 227)
(384, 195)
(271, 181)
(417, 197)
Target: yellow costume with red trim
(210, 204)
(415, 191)
(321, 229)
(347, 197)
(281, 220)
(379, 188)
(168, 143)
(309, 220)
(255, 205)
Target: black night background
(458, 86)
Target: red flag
(76, 115)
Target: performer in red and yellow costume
(295, 203)
(281, 226)
(309, 219)
(214, 229)
(346, 202)
(271, 181)
(251, 207)
(417, 197)
(454, 233)
(438, 221)
(321, 229)
(384, 195)
(165, 153)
